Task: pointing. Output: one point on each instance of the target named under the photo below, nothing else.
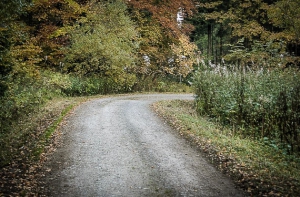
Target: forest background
(241, 58)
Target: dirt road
(118, 147)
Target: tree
(183, 57)
(285, 14)
(9, 11)
(50, 23)
(229, 21)
(103, 43)
(165, 13)
(161, 36)
(212, 28)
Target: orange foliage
(49, 21)
(165, 12)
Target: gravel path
(118, 147)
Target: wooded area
(248, 75)
(51, 48)
(267, 29)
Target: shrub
(20, 103)
(258, 103)
(84, 86)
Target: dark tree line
(219, 25)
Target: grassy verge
(44, 139)
(32, 137)
(255, 166)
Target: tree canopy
(104, 43)
(224, 23)
(140, 38)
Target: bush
(258, 103)
(22, 101)
(161, 84)
(23, 98)
(84, 86)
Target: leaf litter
(20, 177)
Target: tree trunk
(221, 44)
(209, 44)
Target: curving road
(118, 147)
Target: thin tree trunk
(209, 44)
(212, 43)
(221, 44)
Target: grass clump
(162, 84)
(46, 135)
(255, 165)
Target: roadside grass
(31, 137)
(255, 166)
(43, 140)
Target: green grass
(29, 134)
(30, 137)
(256, 166)
(43, 141)
(53, 127)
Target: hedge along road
(117, 146)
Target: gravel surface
(118, 147)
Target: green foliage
(27, 93)
(49, 24)
(285, 14)
(20, 107)
(9, 11)
(257, 103)
(162, 84)
(23, 98)
(79, 86)
(104, 44)
(223, 23)
(101, 58)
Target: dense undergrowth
(261, 103)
